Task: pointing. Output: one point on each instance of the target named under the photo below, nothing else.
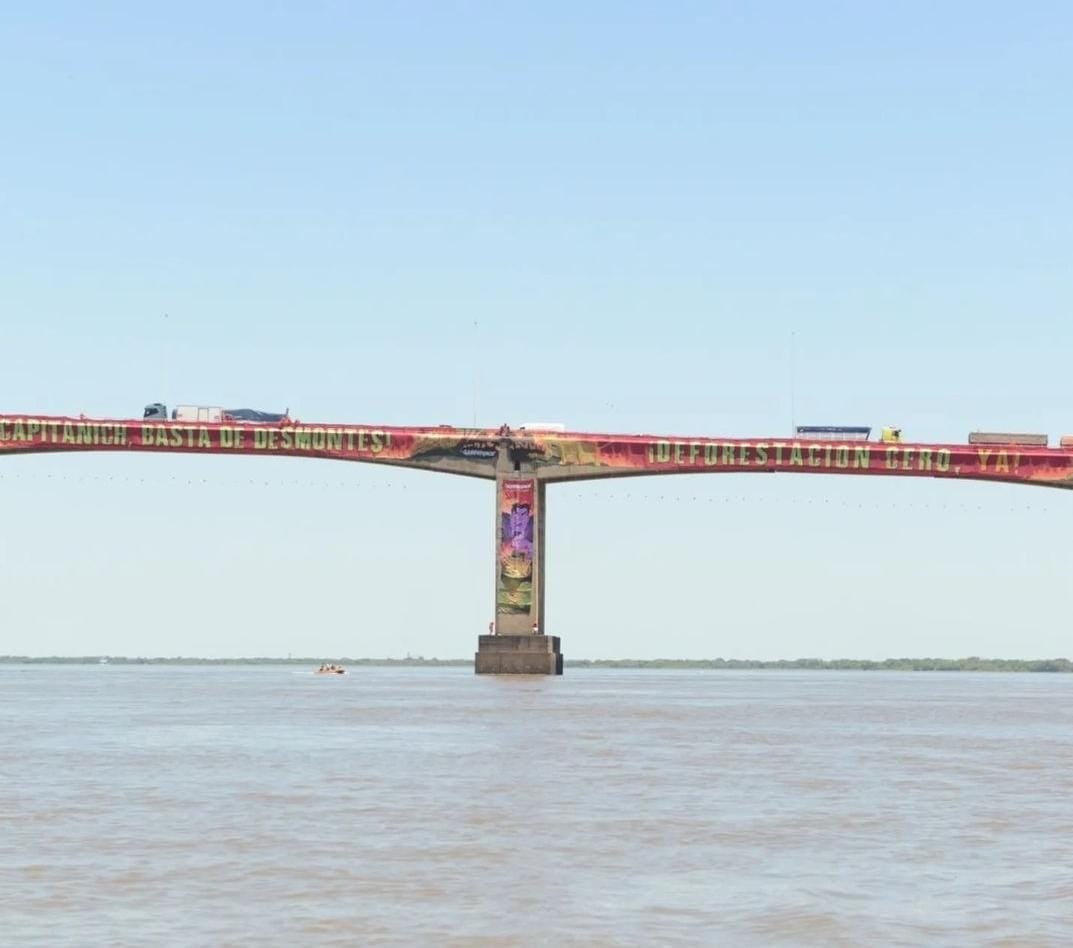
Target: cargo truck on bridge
(157, 411)
(1007, 437)
(887, 434)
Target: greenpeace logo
(477, 449)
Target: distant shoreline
(972, 664)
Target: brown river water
(251, 805)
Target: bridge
(522, 463)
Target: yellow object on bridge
(890, 435)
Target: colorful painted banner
(474, 450)
(517, 522)
(555, 456)
(580, 455)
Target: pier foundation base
(518, 655)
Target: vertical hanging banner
(517, 520)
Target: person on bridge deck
(536, 629)
(492, 627)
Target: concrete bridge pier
(519, 645)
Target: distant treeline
(972, 664)
(183, 660)
(846, 664)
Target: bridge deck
(552, 456)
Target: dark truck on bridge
(887, 433)
(1008, 437)
(157, 411)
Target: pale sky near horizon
(609, 215)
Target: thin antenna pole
(793, 367)
(476, 364)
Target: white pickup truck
(556, 426)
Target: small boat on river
(330, 670)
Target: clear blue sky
(613, 215)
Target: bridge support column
(519, 645)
